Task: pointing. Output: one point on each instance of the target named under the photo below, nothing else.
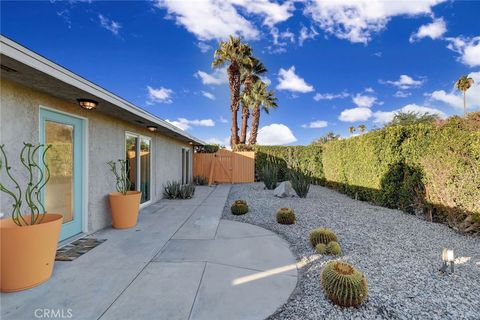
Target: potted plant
(28, 241)
(124, 203)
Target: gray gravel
(398, 253)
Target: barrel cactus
(285, 216)
(343, 284)
(321, 248)
(333, 248)
(322, 235)
(239, 207)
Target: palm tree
(250, 74)
(238, 54)
(352, 130)
(362, 128)
(259, 97)
(463, 84)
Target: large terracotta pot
(124, 208)
(28, 253)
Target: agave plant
(123, 184)
(269, 175)
(38, 177)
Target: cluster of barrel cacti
(343, 284)
(286, 216)
(325, 241)
(239, 207)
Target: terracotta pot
(28, 253)
(124, 208)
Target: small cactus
(322, 235)
(321, 248)
(343, 284)
(333, 248)
(285, 216)
(239, 207)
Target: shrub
(239, 207)
(175, 190)
(269, 176)
(322, 235)
(285, 216)
(321, 248)
(300, 183)
(208, 148)
(200, 180)
(343, 284)
(334, 248)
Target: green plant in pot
(125, 204)
(28, 240)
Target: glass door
(63, 193)
(138, 155)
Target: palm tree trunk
(234, 83)
(243, 128)
(255, 124)
(464, 102)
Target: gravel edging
(398, 253)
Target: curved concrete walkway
(181, 262)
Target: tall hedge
(431, 169)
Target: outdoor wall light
(190, 143)
(87, 104)
(448, 258)
(152, 128)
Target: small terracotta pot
(124, 208)
(28, 253)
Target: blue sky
(333, 64)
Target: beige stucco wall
(19, 121)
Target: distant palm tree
(352, 130)
(260, 98)
(362, 128)
(250, 74)
(238, 55)
(463, 84)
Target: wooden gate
(225, 166)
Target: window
(138, 155)
(185, 166)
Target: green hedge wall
(431, 169)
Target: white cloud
(363, 101)
(161, 95)
(330, 96)
(110, 25)
(467, 48)
(382, 117)
(186, 124)
(223, 120)
(433, 30)
(369, 90)
(358, 20)
(204, 47)
(378, 54)
(217, 77)
(454, 98)
(275, 134)
(306, 34)
(355, 114)
(218, 19)
(401, 94)
(404, 82)
(208, 95)
(316, 124)
(290, 81)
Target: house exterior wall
(19, 122)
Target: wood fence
(225, 166)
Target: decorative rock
(284, 190)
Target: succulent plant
(239, 207)
(333, 248)
(321, 248)
(343, 284)
(322, 235)
(285, 216)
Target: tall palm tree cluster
(246, 87)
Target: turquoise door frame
(74, 226)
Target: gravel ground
(398, 253)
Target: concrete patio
(180, 262)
